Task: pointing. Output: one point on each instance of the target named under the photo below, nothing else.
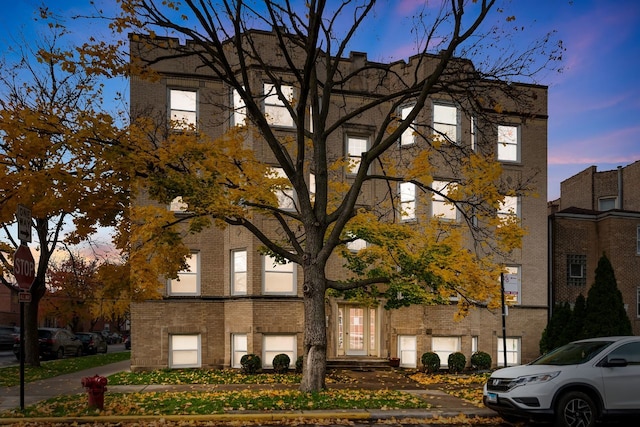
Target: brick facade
(578, 228)
(216, 315)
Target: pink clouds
(618, 146)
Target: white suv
(576, 384)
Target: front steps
(358, 363)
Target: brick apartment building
(597, 212)
(225, 306)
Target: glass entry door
(357, 330)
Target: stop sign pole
(24, 269)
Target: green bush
(299, 362)
(281, 363)
(457, 361)
(480, 361)
(251, 363)
(431, 362)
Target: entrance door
(357, 330)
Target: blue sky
(594, 104)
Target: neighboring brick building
(9, 307)
(227, 306)
(597, 213)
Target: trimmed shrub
(457, 361)
(431, 362)
(281, 363)
(251, 363)
(299, 362)
(481, 361)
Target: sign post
(24, 269)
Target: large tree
(71, 284)
(82, 291)
(224, 183)
(52, 159)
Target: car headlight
(533, 379)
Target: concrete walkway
(443, 404)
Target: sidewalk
(443, 404)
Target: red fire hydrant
(96, 386)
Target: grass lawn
(10, 375)
(217, 402)
(199, 402)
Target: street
(7, 358)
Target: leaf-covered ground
(464, 386)
(192, 402)
(216, 402)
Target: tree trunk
(315, 332)
(30, 321)
(30, 325)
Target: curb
(357, 415)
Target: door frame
(370, 330)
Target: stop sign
(24, 267)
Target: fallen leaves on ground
(464, 386)
(216, 402)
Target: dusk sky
(594, 103)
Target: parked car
(576, 384)
(54, 343)
(8, 337)
(115, 338)
(127, 342)
(92, 342)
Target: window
(357, 245)
(355, 147)
(183, 108)
(508, 144)
(629, 352)
(444, 346)
(239, 109)
(239, 272)
(188, 280)
(408, 136)
(274, 108)
(273, 345)
(238, 349)
(445, 122)
(407, 201)
(638, 240)
(184, 351)
(474, 344)
(607, 203)
(513, 352)
(577, 270)
(638, 301)
(512, 285)
(177, 205)
(312, 188)
(284, 193)
(408, 351)
(509, 208)
(278, 278)
(474, 132)
(440, 206)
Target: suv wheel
(576, 409)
